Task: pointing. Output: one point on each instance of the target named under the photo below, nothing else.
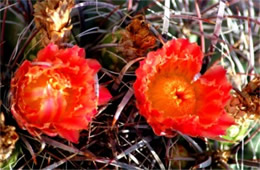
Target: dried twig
(202, 40)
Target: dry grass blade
(117, 164)
(97, 47)
(130, 5)
(121, 106)
(194, 144)
(204, 164)
(166, 17)
(156, 157)
(30, 149)
(3, 30)
(20, 38)
(56, 164)
(97, 4)
(134, 147)
(23, 48)
(202, 40)
(123, 71)
(177, 158)
(247, 163)
(62, 146)
(251, 43)
(7, 6)
(217, 29)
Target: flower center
(172, 95)
(46, 94)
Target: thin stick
(24, 47)
(202, 40)
(121, 106)
(217, 29)
(166, 17)
(251, 43)
(3, 32)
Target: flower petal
(48, 53)
(183, 58)
(104, 95)
(71, 135)
(94, 64)
(74, 123)
(212, 90)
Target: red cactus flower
(55, 94)
(170, 98)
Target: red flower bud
(55, 94)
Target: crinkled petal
(73, 123)
(220, 126)
(182, 57)
(212, 90)
(48, 53)
(94, 64)
(104, 95)
(71, 135)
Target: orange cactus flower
(170, 98)
(56, 93)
